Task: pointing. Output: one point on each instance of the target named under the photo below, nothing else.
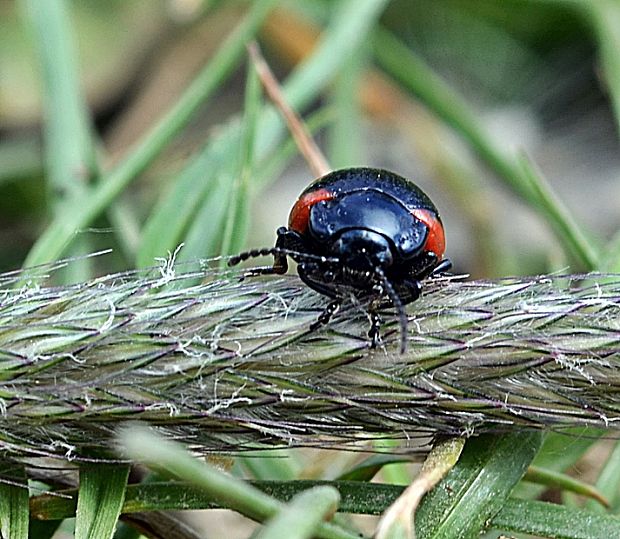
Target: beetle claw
(373, 333)
(326, 315)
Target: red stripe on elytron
(436, 239)
(300, 214)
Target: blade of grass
(574, 238)
(14, 509)
(302, 516)
(349, 27)
(177, 209)
(141, 444)
(69, 150)
(344, 136)
(463, 504)
(371, 466)
(549, 478)
(100, 498)
(608, 481)
(519, 516)
(434, 92)
(236, 228)
(558, 453)
(554, 521)
(68, 142)
(61, 230)
(604, 16)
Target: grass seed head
(223, 364)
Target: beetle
(365, 231)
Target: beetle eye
(329, 276)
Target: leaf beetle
(365, 231)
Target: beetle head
(362, 250)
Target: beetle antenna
(295, 255)
(398, 305)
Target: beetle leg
(322, 288)
(287, 239)
(325, 316)
(409, 290)
(375, 326)
(442, 267)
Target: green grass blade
(60, 232)
(608, 481)
(554, 521)
(348, 30)
(567, 229)
(604, 18)
(345, 134)
(176, 210)
(236, 226)
(69, 149)
(421, 80)
(68, 141)
(302, 516)
(463, 504)
(549, 478)
(558, 453)
(14, 509)
(371, 466)
(357, 497)
(100, 498)
(142, 445)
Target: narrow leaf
(14, 510)
(463, 504)
(604, 16)
(100, 498)
(550, 478)
(235, 229)
(608, 481)
(540, 518)
(555, 521)
(69, 148)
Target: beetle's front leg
(287, 239)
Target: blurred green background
(83, 83)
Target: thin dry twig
(309, 149)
